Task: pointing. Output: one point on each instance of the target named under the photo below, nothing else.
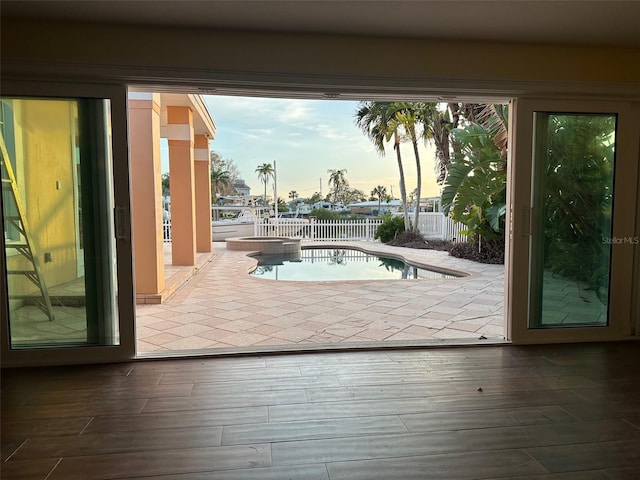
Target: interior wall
(139, 52)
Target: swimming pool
(332, 264)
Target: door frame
(125, 296)
(520, 221)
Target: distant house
(322, 204)
(371, 207)
(430, 204)
(241, 187)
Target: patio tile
(314, 308)
(222, 307)
(148, 347)
(423, 332)
(215, 334)
(344, 331)
(233, 314)
(313, 326)
(429, 322)
(373, 334)
(452, 333)
(163, 324)
(265, 329)
(285, 321)
(330, 318)
(283, 310)
(162, 338)
(213, 321)
(448, 310)
(188, 329)
(187, 317)
(189, 343)
(404, 336)
(237, 325)
(244, 339)
(144, 332)
(294, 334)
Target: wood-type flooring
(553, 412)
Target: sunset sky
(305, 138)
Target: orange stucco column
(202, 161)
(146, 191)
(181, 171)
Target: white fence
(437, 226)
(319, 230)
(166, 230)
(434, 226)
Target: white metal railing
(319, 230)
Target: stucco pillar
(202, 161)
(146, 191)
(181, 171)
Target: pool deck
(222, 307)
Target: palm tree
(416, 119)
(265, 172)
(220, 178)
(377, 122)
(380, 192)
(338, 182)
(293, 195)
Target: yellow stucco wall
(45, 171)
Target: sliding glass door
(59, 248)
(573, 196)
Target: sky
(306, 138)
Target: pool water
(331, 264)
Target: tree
(315, 198)
(338, 184)
(220, 179)
(228, 165)
(166, 184)
(379, 192)
(352, 195)
(265, 172)
(475, 186)
(376, 121)
(293, 195)
(415, 117)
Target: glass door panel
(573, 205)
(572, 199)
(58, 227)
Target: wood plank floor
(565, 412)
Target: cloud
(328, 131)
(305, 137)
(292, 112)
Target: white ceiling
(577, 22)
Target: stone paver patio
(222, 307)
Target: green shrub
(325, 214)
(390, 228)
